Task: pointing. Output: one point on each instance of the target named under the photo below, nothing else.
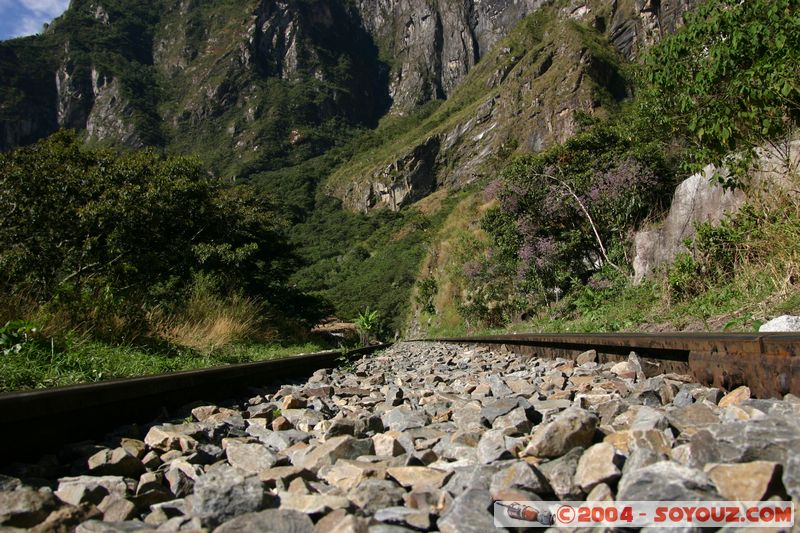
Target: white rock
(784, 323)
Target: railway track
(38, 421)
(425, 434)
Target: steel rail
(768, 363)
(32, 422)
(37, 421)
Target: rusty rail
(768, 363)
(36, 421)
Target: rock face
(700, 199)
(697, 199)
(435, 434)
(436, 44)
(232, 71)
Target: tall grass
(209, 322)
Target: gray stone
(419, 476)
(374, 494)
(666, 481)
(117, 509)
(226, 492)
(589, 356)
(692, 418)
(497, 407)
(498, 386)
(404, 516)
(469, 513)
(768, 439)
(327, 453)
(519, 475)
(791, 476)
(492, 447)
(312, 504)
(253, 458)
(472, 477)
(272, 520)
(340, 426)
(180, 483)
(402, 418)
(279, 440)
(648, 418)
(641, 456)
(116, 462)
(600, 463)
(25, 507)
(90, 489)
(8, 483)
(570, 428)
(783, 323)
(560, 474)
(515, 422)
(175, 436)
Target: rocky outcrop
(697, 199)
(111, 116)
(402, 182)
(525, 91)
(635, 25)
(700, 198)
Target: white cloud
(28, 25)
(51, 8)
(30, 15)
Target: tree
(83, 226)
(727, 82)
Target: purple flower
(492, 190)
(472, 269)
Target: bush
(727, 82)
(95, 238)
(565, 212)
(208, 320)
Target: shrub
(95, 237)
(426, 292)
(727, 82)
(566, 211)
(209, 321)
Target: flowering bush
(567, 212)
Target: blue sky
(25, 17)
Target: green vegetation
(368, 323)
(86, 361)
(353, 260)
(553, 253)
(727, 83)
(137, 254)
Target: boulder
(666, 481)
(225, 493)
(570, 428)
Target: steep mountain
(262, 85)
(374, 103)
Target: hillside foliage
(726, 83)
(95, 234)
(723, 85)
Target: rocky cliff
(525, 94)
(263, 85)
